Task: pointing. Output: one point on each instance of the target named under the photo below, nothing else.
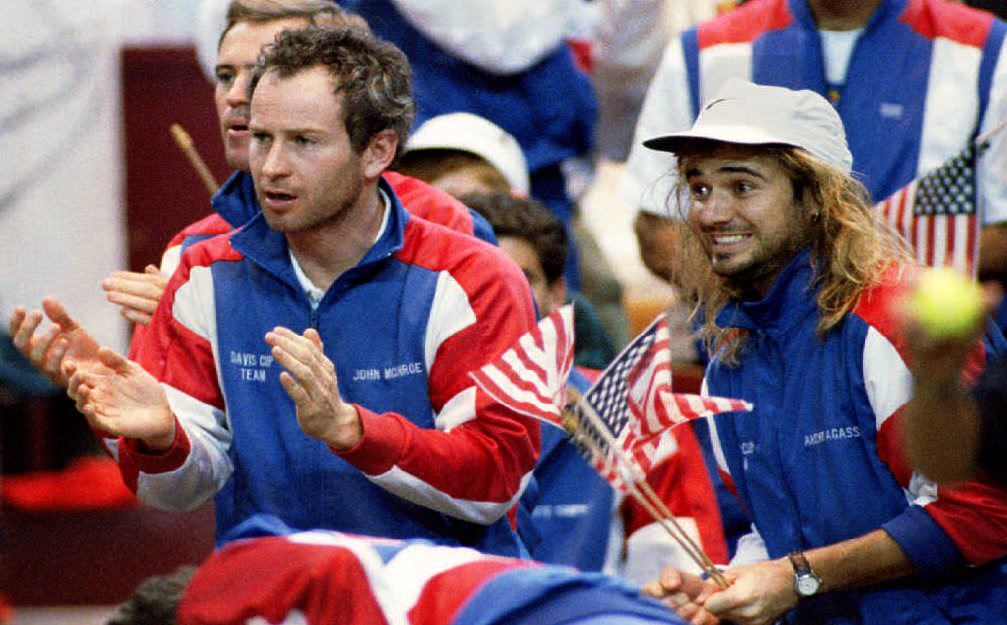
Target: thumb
(57, 314)
(152, 269)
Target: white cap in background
(470, 133)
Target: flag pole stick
(184, 143)
(983, 138)
(664, 517)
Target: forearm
(938, 407)
(473, 472)
(870, 559)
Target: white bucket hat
(749, 114)
(476, 135)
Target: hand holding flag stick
(620, 422)
(184, 143)
(625, 475)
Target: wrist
(347, 429)
(806, 581)
(162, 443)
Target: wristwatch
(806, 582)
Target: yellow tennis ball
(946, 303)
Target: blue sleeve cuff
(927, 545)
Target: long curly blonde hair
(850, 244)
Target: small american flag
(937, 213)
(531, 376)
(632, 400)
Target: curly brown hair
(850, 244)
(373, 77)
(529, 221)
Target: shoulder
(430, 203)
(469, 260)
(877, 305)
(210, 225)
(933, 19)
(217, 247)
(746, 23)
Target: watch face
(807, 585)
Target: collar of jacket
(235, 200)
(790, 300)
(268, 248)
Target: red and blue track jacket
(819, 460)
(323, 578)
(439, 458)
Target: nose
(236, 94)
(714, 210)
(275, 164)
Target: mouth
(277, 200)
(727, 239)
(237, 130)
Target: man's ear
(379, 153)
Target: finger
(295, 344)
(653, 589)
(293, 389)
(22, 335)
(40, 345)
(16, 319)
(114, 361)
(294, 365)
(135, 316)
(312, 335)
(58, 315)
(152, 270)
(721, 602)
(671, 579)
(54, 359)
(137, 300)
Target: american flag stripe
(937, 213)
(530, 377)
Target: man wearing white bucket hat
(794, 272)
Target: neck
(328, 250)
(842, 14)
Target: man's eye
(225, 77)
(700, 191)
(304, 141)
(260, 137)
(744, 187)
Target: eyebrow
(727, 169)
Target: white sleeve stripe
(886, 377)
(194, 304)
(992, 168)
(207, 467)
(458, 410)
(412, 488)
(950, 112)
(450, 313)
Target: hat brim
(679, 141)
